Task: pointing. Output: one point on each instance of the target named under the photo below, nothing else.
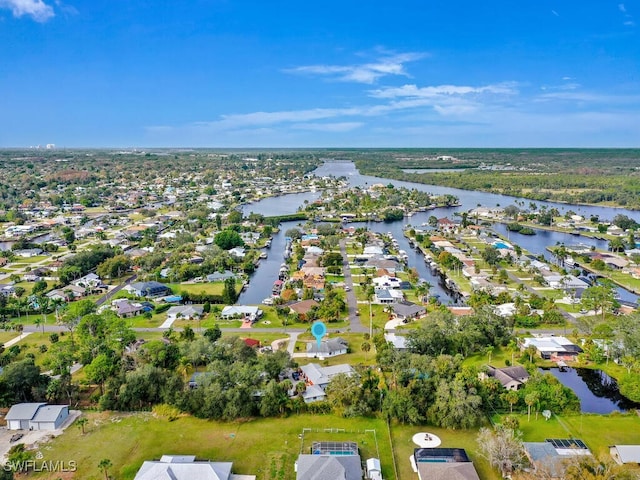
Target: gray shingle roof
(329, 467)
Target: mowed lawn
(267, 448)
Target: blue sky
(216, 73)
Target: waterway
(468, 198)
(262, 280)
(597, 391)
(280, 205)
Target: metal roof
(23, 411)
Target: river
(262, 280)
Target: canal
(597, 391)
(262, 280)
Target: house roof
(509, 374)
(628, 453)
(447, 471)
(186, 310)
(407, 309)
(49, 413)
(319, 375)
(329, 467)
(23, 411)
(303, 306)
(313, 391)
(183, 467)
(327, 346)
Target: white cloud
(622, 8)
(555, 13)
(412, 91)
(328, 127)
(37, 9)
(630, 23)
(389, 64)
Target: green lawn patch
(129, 439)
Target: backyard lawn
(129, 439)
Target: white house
(185, 467)
(242, 311)
(328, 348)
(186, 312)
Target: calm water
(468, 198)
(262, 280)
(598, 392)
(282, 205)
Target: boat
(263, 255)
(268, 301)
(277, 287)
(267, 244)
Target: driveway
(32, 437)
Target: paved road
(352, 304)
(115, 290)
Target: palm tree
(512, 398)
(531, 399)
(104, 465)
(82, 421)
(366, 346)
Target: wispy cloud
(328, 127)
(388, 64)
(629, 18)
(555, 13)
(412, 91)
(36, 9)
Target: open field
(129, 439)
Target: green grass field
(129, 439)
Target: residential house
(125, 309)
(148, 289)
(327, 348)
(553, 348)
(29, 252)
(387, 296)
(7, 290)
(36, 416)
(399, 342)
(241, 311)
(90, 280)
(446, 225)
(444, 464)
(220, 276)
(186, 467)
(68, 293)
(406, 311)
(185, 312)
(511, 378)
(237, 252)
(551, 455)
(303, 307)
(330, 461)
(317, 378)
